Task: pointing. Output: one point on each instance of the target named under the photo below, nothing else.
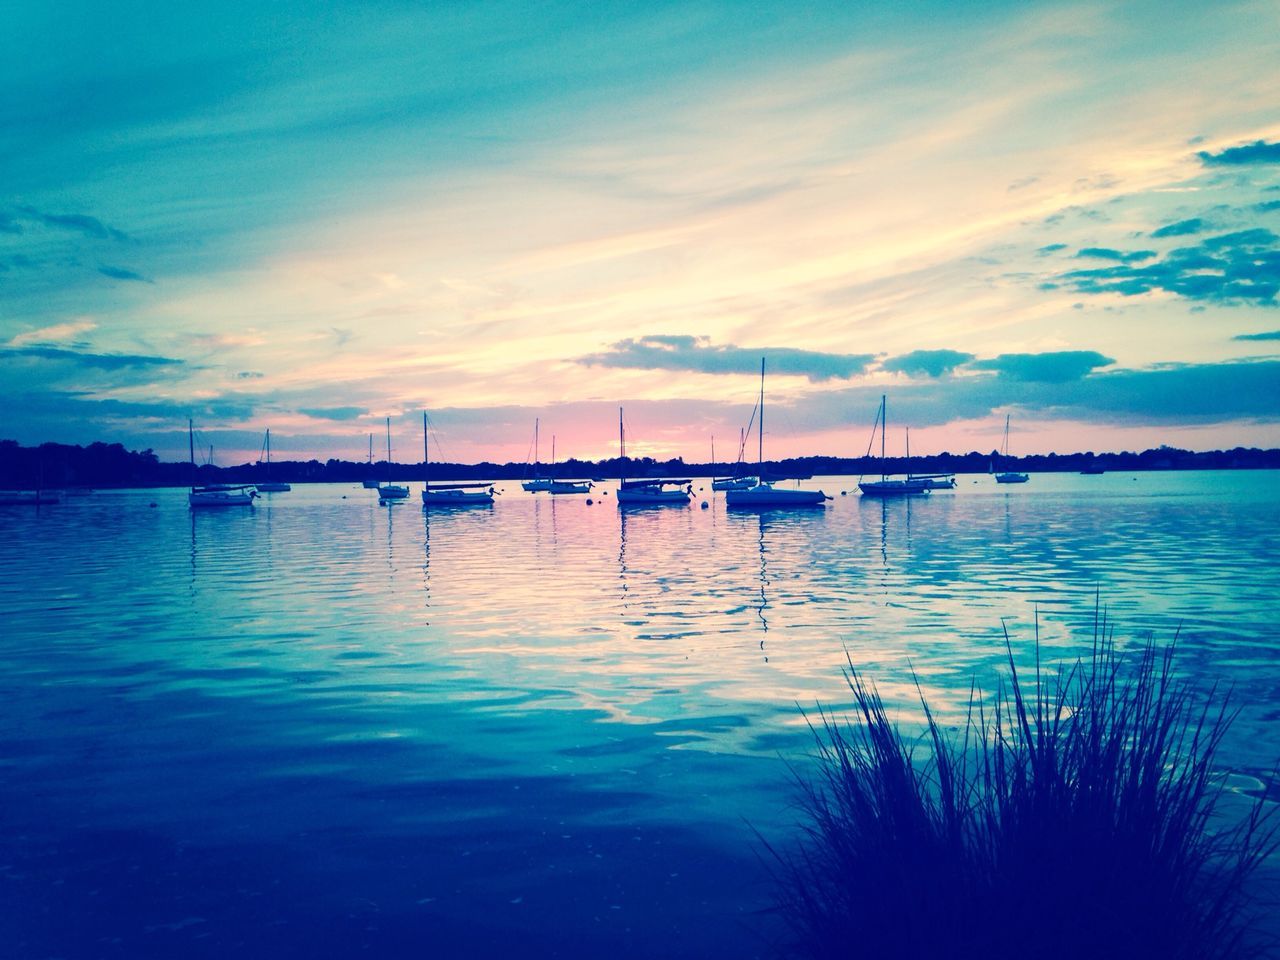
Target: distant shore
(56, 465)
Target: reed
(1074, 814)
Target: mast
(908, 453)
(535, 448)
(760, 437)
(553, 455)
(884, 422)
(191, 449)
(426, 454)
(622, 447)
(713, 454)
(268, 453)
(388, 449)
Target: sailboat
(931, 481)
(269, 485)
(646, 492)
(449, 494)
(390, 491)
(371, 484)
(884, 487)
(1008, 476)
(537, 483)
(218, 494)
(764, 493)
(565, 486)
(737, 481)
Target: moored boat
(648, 492)
(449, 494)
(389, 491)
(887, 486)
(269, 485)
(1008, 476)
(215, 494)
(764, 493)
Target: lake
(324, 727)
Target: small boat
(215, 494)
(930, 481)
(269, 485)
(371, 484)
(536, 484)
(1093, 470)
(449, 494)
(651, 492)
(390, 491)
(763, 493)
(564, 486)
(738, 481)
(1008, 476)
(886, 487)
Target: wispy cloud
(80, 223)
(699, 355)
(335, 413)
(58, 331)
(120, 273)
(98, 361)
(1271, 335)
(1180, 229)
(1106, 253)
(1250, 153)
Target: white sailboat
(217, 494)
(764, 493)
(737, 481)
(390, 491)
(636, 493)
(371, 484)
(930, 481)
(449, 494)
(536, 484)
(1008, 476)
(269, 485)
(565, 486)
(885, 487)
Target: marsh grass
(1073, 814)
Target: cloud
(1233, 268)
(1061, 366)
(76, 222)
(1179, 229)
(59, 331)
(1273, 335)
(931, 363)
(1250, 153)
(249, 375)
(1267, 206)
(119, 273)
(697, 354)
(1105, 253)
(335, 413)
(1051, 248)
(97, 361)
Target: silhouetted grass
(1072, 815)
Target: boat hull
(734, 483)
(894, 488)
(371, 484)
(456, 498)
(1012, 477)
(13, 498)
(393, 493)
(274, 487)
(562, 486)
(763, 495)
(536, 486)
(214, 499)
(651, 497)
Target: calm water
(329, 728)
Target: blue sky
(312, 218)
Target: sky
(315, 217)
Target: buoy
(589, 501)
(151, 504)
(844, 493)
(704, 504)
